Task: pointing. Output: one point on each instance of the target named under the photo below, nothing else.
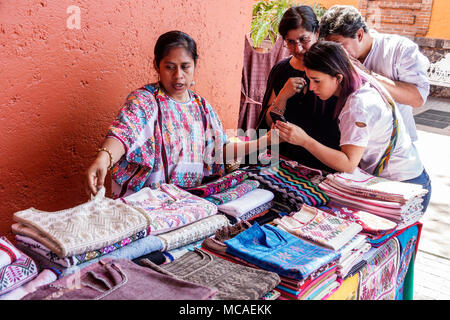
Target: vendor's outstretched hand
(96, 173)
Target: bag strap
(394, 134)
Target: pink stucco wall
(60, 88)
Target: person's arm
(409, 84)
(233, 151)
(344, 160)
(278, 103)
(96, 173)
(401, 92)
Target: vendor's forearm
(115, 147)
(237, 150)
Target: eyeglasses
(289, 43)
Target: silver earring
(192, 83)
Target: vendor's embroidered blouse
(165, 138)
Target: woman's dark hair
(296, 17)
(174, 39)
(331, 58)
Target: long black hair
(296, 17)
(331, 58)
(174, 39)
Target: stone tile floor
(432, 266)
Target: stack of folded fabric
(238, 197)
(293, 182)
(397, 201)
(373, 226)
(293, 259)
(255, 203)
(120, 279)
(351, 254)
(124, 228)
(219, 185)
(232, 281)
(319, 227)
(16, 268)
(328, 231)
(378, 278)
(289, 288)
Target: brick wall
(405, 17)
(410, 18)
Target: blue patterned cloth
(276, 250)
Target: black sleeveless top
(307, 111)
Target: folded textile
(271, 295)
(120, 279)
(133, 250)
(264, 208)
(320, 227)
(301, 292)
(265, 217)
(45, 277)
(89, 226)
(399, 202)
(346, 265)
(216, 243)
(361, 263)
(156, 257)
(366, 185)
(371, 223)
(78, 259)
(379, 275)
(247, 202)
(294, 284)
(174, 254)
(169, 207)
(348, 289)
(17, 273)
(409, 241)
(232, 281)
(8, 253)
(192, 232)
(276, 250)
(227, 181)
(287, 180)
(233, 193)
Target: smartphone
(276, 116)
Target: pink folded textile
(17, 273)
(371, 223)
(169, 207)
(45, 277)
(320, 227)
(366, 185)
(8, 253)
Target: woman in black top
(288, 93)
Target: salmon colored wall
(60, 88)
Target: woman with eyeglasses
(373, 134)
(287, 92)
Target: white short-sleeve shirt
(367, 106)
(399, 59)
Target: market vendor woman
(165, 132)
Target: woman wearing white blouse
(373, 135)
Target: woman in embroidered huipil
(164, 132)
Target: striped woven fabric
(290, 183)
